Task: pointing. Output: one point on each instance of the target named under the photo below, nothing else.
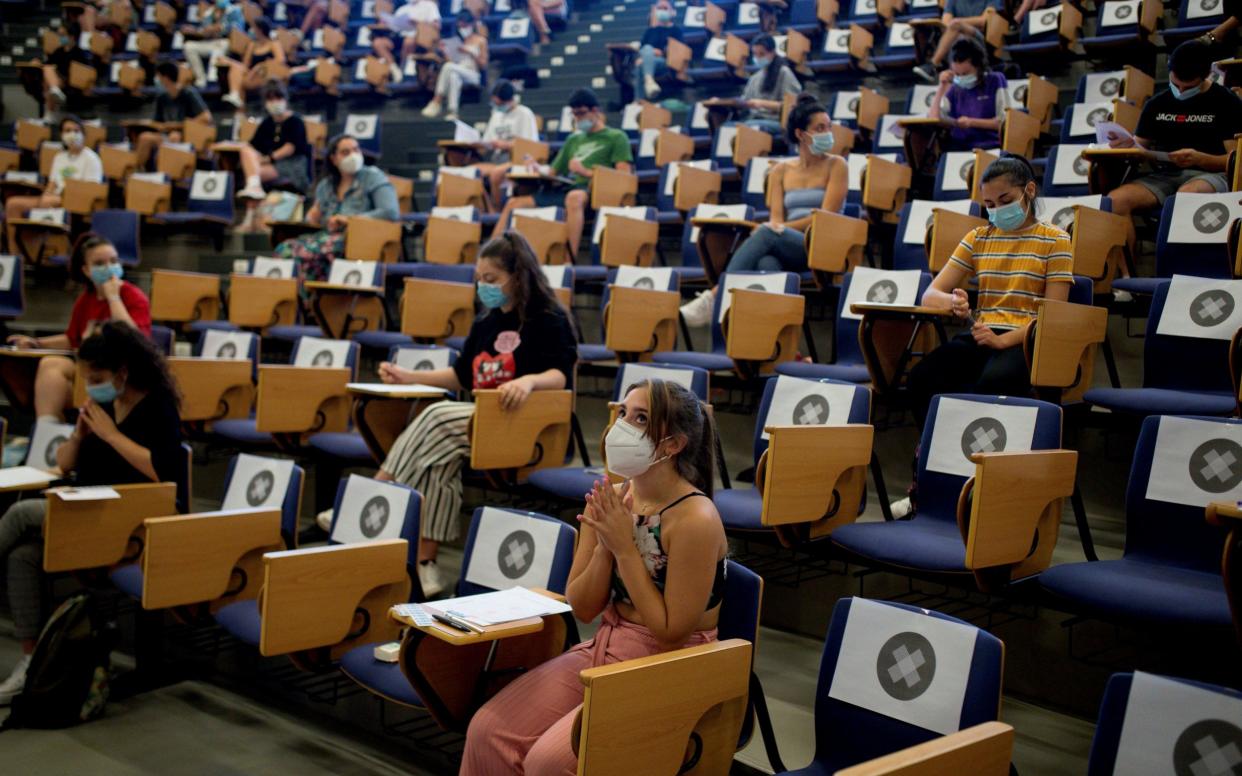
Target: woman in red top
(106, 297)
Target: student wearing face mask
(173, 103)
(766, 88)
(816, 179)
(127, 431)
(465, 61)
(251, 71)
(211, 36)
(1017, 260)
(1192, 121)
(653, 48)
(279, 148)
(349, 187)
(74, 162)
(973, 96)
(521, 342)
(509, 121)
(106, 297)
(650, 559)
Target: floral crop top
(647, 539)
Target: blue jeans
(771, 126)
(650, 65)
(769, 251)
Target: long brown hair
(532, 294)
(673, 410)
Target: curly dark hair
(117, 345)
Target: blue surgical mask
(102, 393)
(102, 274)
(1184, 94)
(823, 143)
(492, 295)
(967, 81)
(664, 15)
(585, 125)
(504, 107)
(1009, 217)
(761, 61)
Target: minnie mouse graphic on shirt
(491, 371)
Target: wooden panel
(343, 312)
(191, 558)
(1019, 131)
(118, 163)
(945, 233)
(694, 187)
(1041, 99)
(628, 241)
(678, 58)
(749, 143)
(176, 163)
(508, 439)
(673, 146)
(212, 389)
(84, 197)
(295, 400)
(885, 184)
(803, 470)
(459, 191)
(982, 750)
(30, 134)
(1065, 336)
(826, 11)
(436, 309)
(93, 534)
(613, 188)
(405, 192)
(835, 243)
(548, 239)
(861, 43)
(640, 320)
(1138, 86)
(1126, 115)
(761, 326)
(737, 54)
(982, 160)
(652, 116)
(200, 134)
(449, 241)
(82, 77)
(180, 297)
(147, 198)
(536, 150)
(372, 239)
(871, 106)
(1098, 241)
(258, 302)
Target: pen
(452, 622)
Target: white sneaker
(234, 99)
(431, 580)
(324, 520)
(450, 117)
(56, 93)
(432, 110)
(901, 509)
(698, 311)
(12, 686)
(252, 192)
(653, 88)
(1122, 296)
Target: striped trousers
(428, 456)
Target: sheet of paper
(415, 612)
(1106, 131)
(516, 603)
(403, 390)
(18, 476)
(464, 133)
(98, 493)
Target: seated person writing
(175, 103)
(650, 558)
(128, 431)
(962, 19)
(509, 121)
(973, 96)
(465, 61)
(766, 88)
(106, 297)
(75, 162)
(593, 144)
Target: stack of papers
(20, 476)
(402, 390)
(503, 606)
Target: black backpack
(67, 680)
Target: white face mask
(628, 450)
(276, 107)
(73, 139)
(351, 164)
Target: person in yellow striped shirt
(1016, 260)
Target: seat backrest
(919, 100)
(272, 267)
(953, 174)
(356, 273)
(693, 378)
(211, 193)
(1099, 86)
(12, 286)
(636, 212)
(1066, 173)
(222, 345)
(874, 286)
(317, 351)
(1163, 724)
(163, 337)
(960, 425)
(654, 278)
(1041, 24)
(45, 439)
(369, 510)
(1200, 13)
(803, 402)
(1181, 464)
(916, 218)
(422, 358)
(1189, 328)
(1059, 211)
(690, 232)
(508, 547)
(772, 282)
(668, 180)
(754, 183)
(1079, 122)
(254, 482)
(121, 229)
(1193, 238)
(886, 670)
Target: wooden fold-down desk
(381, 411)
(922, 141)
(892, 335)
(17, 373)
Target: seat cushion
(242, 431)
(713, 362)
(690, 274)
(1145, 286)
(593, 352)
(242, 621)
(383, 679)
(199, 327)
(128, 579)
(568, 482)
(1138, 590)
(456, 343)
(1162, 401)
(348, 445)
(850, 373)
(382, 340)
(740, 508)
(294, 332)
(590, 273)
(924, 543)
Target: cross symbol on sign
(966, 170)
(1212, 307)
(755, 287)
(1019, 95)
(49, 455)
(907, 33)
(1081, 167)
(1097, 115)
(1210, 747)
(853, 108)
(1216, 465)
(1048, 19)
(322, 358)
(360, 127)
(1211, 218)
(811, 411)
(1124, 12)
(644, 282)
(517, 553)
(983, 435)
(374, 516)
(259, 488)
(274, 272)
(1110, 86)
(353, 278)
(906, 666)
(1064, 217)
(883, 292)
(1209, 5)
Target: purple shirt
(976, 103)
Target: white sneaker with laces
(432, 110)
(234, 99)
(324, 520)
(902, 508)
(12, 687)
(251, 192)
(653, 88)
(1122, 296)
(698, 311)
(430, 579)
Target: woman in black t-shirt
(128, 431)
(522, 342)
(278, 150)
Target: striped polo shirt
(1013, 270)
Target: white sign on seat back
(674, 169)
(653, 278)
(696, 16)
(1174, 727)
(353, 273)
(864, 7)
(258, 482)
(8, 268)
(370, 510)
(45, 440)
(361, 126)
(629, 116)
(748, 13)
(461, 172)
(226, 345)
(757, 172)
(698, 118)
(647, 143)
(800, 402)
(782, 44)
(1204, 218)
(731, 212)
(423, 359)
(515, 28)
(1084, 117)
(900, 35)
(1120, 12)
(771, 282)
(957, 168)
(210, 186)
(1196, 462)
(51, 215)
(891, 135)
(905, 665)
(459, 213)
(542, 213)
(638, 212)
(512, 549)
(964, 428)
(1201, 9)
(724, 142)
(271, 267)
(149, 177)
(632, 374)
(22, 177)
(881, 286)
(1044, 20)
(364, 40)
(920, 218)
(1017, 89)
(837, 42)
(1102, 87)
(921, 97)
(715, 51)
(1059, 211)
(567, 120)
(1203, 308)
(1071, 169)
(557, 274)
(845, 106)
(317, 351)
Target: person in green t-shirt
(594, 144)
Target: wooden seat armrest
(372, 239)
(762, 326)
(435, 309)
(93, 534)
(613, 188)
(886, 183)
(191, 558)
(628, 241)
(299, 400)
(313, 597)
(640, 320)
(672, 147)
(510, 439)
(695, 187)
(1009, 512)
(982, 750)
(947, 229)
(1099, 242)
(213, 389)
(340, 288)
(548, 239)
(1224, 513)
(738, 224)
(1064, 335)
(800, 474)
(835, 243)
